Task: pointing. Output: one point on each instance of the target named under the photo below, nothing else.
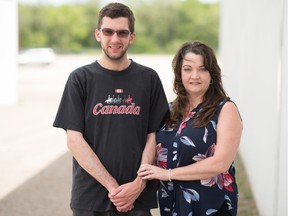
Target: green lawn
(247, 206)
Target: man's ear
(97, 35)
(132, 38)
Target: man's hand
(124, 196)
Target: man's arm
(149, 152)
(88, 160)
(125, 195)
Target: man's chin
(116, 57)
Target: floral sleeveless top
(184, 146)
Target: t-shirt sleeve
(159, 106)
(70, 114)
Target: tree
(161, 25)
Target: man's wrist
(111, 186)
(141, 183)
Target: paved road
(35, 167)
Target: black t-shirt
(114, 110)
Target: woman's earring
(211, 81)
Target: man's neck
(115, 65)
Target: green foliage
(67, 28)
(161, 25)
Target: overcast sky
(54, 2)
(59, 2)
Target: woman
(197, 145)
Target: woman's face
(195, 78)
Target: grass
(246, 203)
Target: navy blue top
(187, 145)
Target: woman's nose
(194, 74)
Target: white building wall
(8, 52)
(253, 51)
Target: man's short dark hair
(116, 10)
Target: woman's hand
(148, 172)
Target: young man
(110, 110)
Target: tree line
(161, 25)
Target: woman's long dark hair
(212, 97)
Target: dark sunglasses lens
(107, 32)
(120, 33)
(123, 33)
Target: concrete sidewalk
(35, 167)
(45, 194)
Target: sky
(59, 2)
(54, 2)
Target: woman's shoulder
(230, 108)
(225, 107)
(228, 105)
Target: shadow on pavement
(46, 194)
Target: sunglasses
(120, 33)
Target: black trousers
(77, 212)
(223, 211)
